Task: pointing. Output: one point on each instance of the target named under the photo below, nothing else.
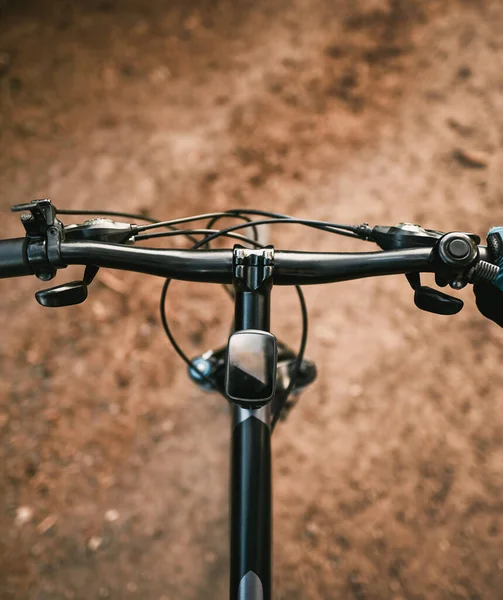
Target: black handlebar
(211, 266)
(301, 268)
(215, 266)
(13, 258)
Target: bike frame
(251, 484)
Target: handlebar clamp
(44, 232)
(253, 268)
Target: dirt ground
(388, 476)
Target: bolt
(26, 217)
(200, 365)
(458, 284)
(199, 371)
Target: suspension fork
(251, 486)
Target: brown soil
(113, 468)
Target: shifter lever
(431, 300)
(68, 294)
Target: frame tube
(251, 504)
(251, 482)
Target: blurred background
(388, 475)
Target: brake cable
(155, 222)
(354, 231)
(188, 361)
(186, 232)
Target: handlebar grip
(13, 258)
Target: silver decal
(262, 414)
(250, 588)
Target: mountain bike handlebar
(455, 258)
(216, 266)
